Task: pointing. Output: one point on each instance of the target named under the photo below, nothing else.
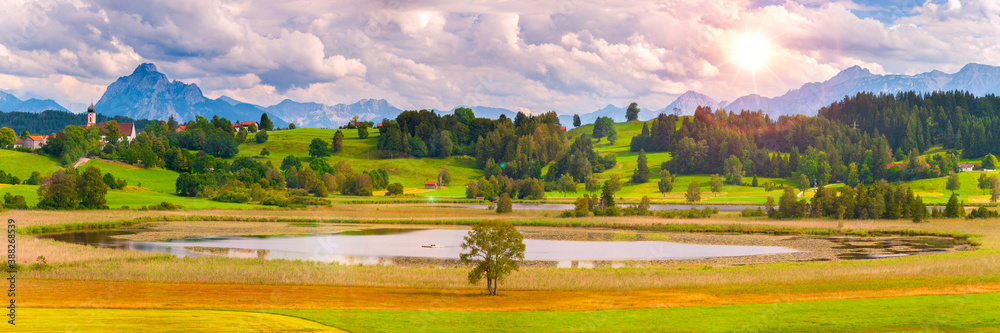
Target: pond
(384, 246)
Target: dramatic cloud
(571, 56)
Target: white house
(965, 167)
(127, 130)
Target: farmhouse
(964, 167)
(32, 141)
(249, 126)
(431, 185)
(127, 130)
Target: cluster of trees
(13, 201)
(72, 189)
(881, 200)
(517, 149)
(321, 178)
(955, 119)
(9, 178)
(750, 144)
(605, 127)
(580, 161)
(497, 185)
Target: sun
(751, 51)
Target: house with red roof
(249, 126)
(127, 130)
(32, 141)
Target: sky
(571, 56)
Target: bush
(394, 189)
(692, 213)
(504, 205)
(749, 212)
(982, 213)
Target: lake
(381, 246)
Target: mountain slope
(10, 103)
(808, 99)
(686, 103)
(148, 94)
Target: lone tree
(265, 123)
(261, 136)
(504, 205)
(576, 120)
(318, 148)
(444, 177)
(990, 162)
(566, 184)
(494, 247)
(984, 182)
(954, 184)
(363, 131)
(694, 192)
(338, 141)
(611, 186)
(803, 182)
(666, 183)
(716, 184)
(632, 114)
(641, 174)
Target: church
(127, 130)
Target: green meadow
(950, 313)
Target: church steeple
(91, 115)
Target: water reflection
(382, 246)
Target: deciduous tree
(495, 247)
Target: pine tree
(576, 120)
(641, 174)
(265, 123)
(338, 141)
(666, 183)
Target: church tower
(91, 115)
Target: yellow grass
(127, 320)
(157, 295)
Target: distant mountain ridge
(9, 103)
(148, 94)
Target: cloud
(572, 56)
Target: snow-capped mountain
(332, 116)
(10, 103)
(148, 94)
(686, 103)
(808, 99)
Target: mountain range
(10, 103)
(149, 94)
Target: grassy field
(360, 154)
(791, 296)
(954, 313)
(22, 164)
(129, 320)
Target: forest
(48, 122)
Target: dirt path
(81, 161)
